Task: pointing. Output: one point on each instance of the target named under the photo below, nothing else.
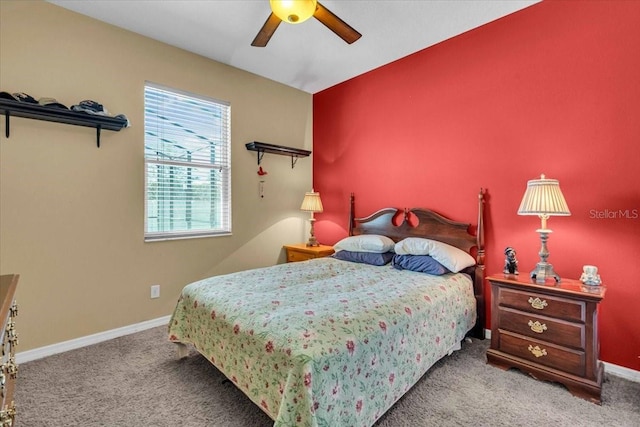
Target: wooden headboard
(431, 225)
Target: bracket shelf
(50, 114)
(263, 147)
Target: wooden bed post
(480, 231)
(478, 282)
(351, 213)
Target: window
(187, 153)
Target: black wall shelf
(263, 147)
(51, 114)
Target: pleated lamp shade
(311, 202)
(543, 197)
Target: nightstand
(548, 330)
(302, 252)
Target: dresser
(302, 252)
(548, 330)
(8, 369)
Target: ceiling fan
(297, 11)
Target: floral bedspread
(324, 342)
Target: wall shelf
(51, 114)
(263, 147)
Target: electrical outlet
(155, 291)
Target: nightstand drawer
(293, 256)
(302, 252)
(557, 331)
(541, 304)
(544, 353)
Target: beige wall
(72, 215)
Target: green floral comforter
(324, 342)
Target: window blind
(187, 165)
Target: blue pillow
(420, 263)
(370, 258)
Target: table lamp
(543, 198)
(312, 203)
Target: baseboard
(621, 371)
(49, 350)
(609, 368)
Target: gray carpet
(137, 380)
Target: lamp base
(542, 271)
(312, 236)
(543, 268)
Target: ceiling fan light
(293, 11)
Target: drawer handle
(12, 335)
(13, 310)
(537, 327)
(537, 351)
(11, 368)
(7, 415)
(537, 303)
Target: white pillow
(451, 257)
(365, 243)
(413, 246)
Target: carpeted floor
(138, 381)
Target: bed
(328, 342)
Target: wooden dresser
(302, 252)
(548, 330)
(9, 369)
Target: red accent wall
(553, 89)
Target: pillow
(370, 258)
(451, 257)
(413, 246)
(420, 263)
(365, 243)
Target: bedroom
(551, 90)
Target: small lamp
(293, 11)
(312, 203)
(543, 198)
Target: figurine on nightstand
(510, 261)
(590, 275)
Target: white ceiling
(307, 56)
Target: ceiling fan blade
(267, 30)
(335, 24)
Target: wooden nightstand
(302, 252)
(548, 330)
